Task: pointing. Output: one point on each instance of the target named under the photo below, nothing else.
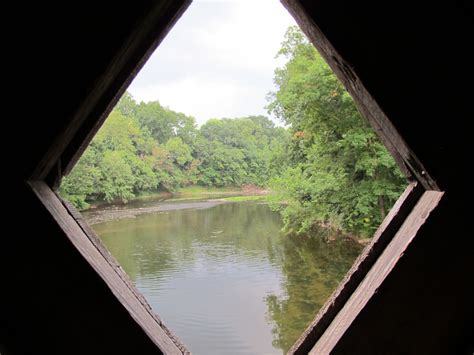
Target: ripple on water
(212, 298)
(208, 274)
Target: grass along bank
(193, 192)
(244, 198)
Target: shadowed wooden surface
(377, 274)
(110, 273)
(413, 59)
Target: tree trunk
(382, 207)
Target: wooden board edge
(67, 147)
(367, 105)
(378, 273)
(104, 269)
(93, 237)
(382, 237)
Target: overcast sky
(218, 60)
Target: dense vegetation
(147, 147)
(337, 172)
(326, 168)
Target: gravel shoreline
(105, 215)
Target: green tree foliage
(113, 166)
(179, 152)
(327, 167)
(325, 264)
(83, 180)
(117, 180)
(337, 171)
(238, 151)
(146, 147)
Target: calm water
(224, 279)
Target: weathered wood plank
(382, 237)
(92, 236)
(86, 121)
(381, 269)
(364, 101)
(111, 275)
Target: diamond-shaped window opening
(215, 265)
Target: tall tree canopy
(327, 167)
(146, 147)
(337, 171)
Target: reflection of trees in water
(312, 270)
(155, 245)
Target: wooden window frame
(94, 252)
(370, 269)
(398, 229)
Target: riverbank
(192, 197)
(185, 193)
(245, 190)
(231, 254)
(111, 214)
(153, 196)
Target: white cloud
(204, 99)
(218, 60)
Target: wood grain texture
(382, 237)
(108, 88)
(111, 275)
(364, 101)
(92, 236)
(381, 269)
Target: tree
(117, 180)
(338, 172)
(236, 151)
(179, 152)
(127, 105)
(83, 180)
(113, 167)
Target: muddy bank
(186, 193)
(105, 215)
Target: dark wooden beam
(382, 237)
(71, 142)
(112, 275)
(377, 274)
(364, 101)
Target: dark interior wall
(63, 49)
(51, 300)
(425, 305)
(415, 60)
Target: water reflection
(312, 270)
(224, 279)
